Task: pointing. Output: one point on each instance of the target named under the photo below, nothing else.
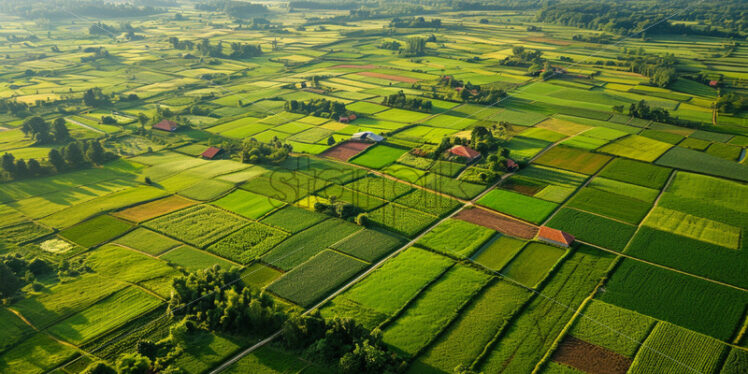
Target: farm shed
(465, 152)
(166, 125)
(211, 153)
(366, 136)
(555, 237)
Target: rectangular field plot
(671, 349)
(456, 238)
(369, 245)
(617, 329)
(693, 303)
(154, 209)
(199, 225)
(293, 219)
(147, 241)
(248, 204)
(379, 156)
(465, 339)
(637, 147)
(12, 329)
(633, 191)
(38, 354)
(517, 205)
(593, 228)
(573, 159)
(533, 263)
(248, 243)
(400, 219)
(194, 259)
(521, 148)
(635, 172)
(304, 245)
(108, 314)
(688, 159)
(95, 231)
(449, 186)
(497, 252)
(389, 288)
(434, 308)
(312, 280)
(428, 202)
(609, 204)
(694, 227)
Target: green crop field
(181, 181)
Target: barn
(555, 237)
(211, 153)
(166, 125)
(465, 152)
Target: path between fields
(22, 318)
(84, 126)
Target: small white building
(366, 136)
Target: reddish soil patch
(146, 211)
(590, 358)
(502, 224)
(344, 66)
(525, 189)
(347, 150)
(396, 78)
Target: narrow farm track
(26, 321)
(84, 126)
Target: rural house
(555, 237)
(366, 136)
(211, 153)
(166, 125)
(465, 152)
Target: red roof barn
(555, 237)
(511, 165)
(714, 83)
(211, 153)
(166, 125)
(466, 152)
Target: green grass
(433, 310)
(428, 202)
(369, 245)
(617, 329)
(497, 252)
(518, 205)
(521, 148)
(380, 187)
(268, 360)
(456, 238)
(199, 225)
(23, 232)
(378, 156)
(389, 288)
(662, 136)
(293, 219)
(312, 280)
(542, 134)
(95, 231)
(593, 229)
(533, 263)
(609, 204)
(464, 340)
(635, 172)
(207, 190)
(12, 329)
(673, 349)
(147, 241)
(127, 265)
(37, 354)
(728, 152)
(693, 303)
(573, 159)
(637, 147)
(693, 143)
(400, 219)
(449, 186)
(736, 362)
(194, 259)
(248, 243)
(106, 315)
(259, 275)
(205, 350)
(633, 191)
(694, 227)
(533, 331)
(303, 246)
(687, 159)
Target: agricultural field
(364, 187)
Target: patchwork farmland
(357, 187)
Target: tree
(330, 140)
(143, 119)
(95, 153)
(21, 169)
(61, 131)
(55, 158)
(38, 129)
(99, 368)
(73, 155)
(9, 163)
(9, 282)
(34, 167)
(133, 363)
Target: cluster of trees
(43, 133)
(522, 56)
(725, 18)
(317, 107)
(238, 50)
(16, 272)
(341, 209)
(415, 22)
(732, 103)
(452, 89)
(592, 38)
(487, 140)
(414, 47)
(98, 54)
(399, 100)
(644, 111)
(95, 97)
(256, 152)
(233, 9)
(66, 9)
(78, 154)
(392, 45)
(659, 69)
(17, 169)
(14, 107)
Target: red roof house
(211, 153)
(351, 117)
(555, 237)
(713, 83)
(343, 119)
(466, 152)
(511, 165)
(166, 125)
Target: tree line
(399, 100)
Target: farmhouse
(465, 152)
(511, 165)
(211, 153)
(166, 125)
(366, 136)
(555, 237)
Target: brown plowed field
(590, 358)
(345, 151)
(154, 209)
(502, 224)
